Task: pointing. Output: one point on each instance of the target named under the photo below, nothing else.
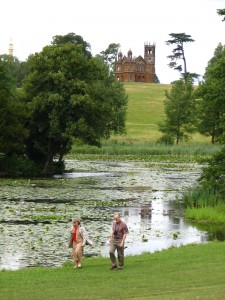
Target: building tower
(149, 53)
(149, 57)
(10, 49)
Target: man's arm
(123, 240)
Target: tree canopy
(13, 115)
(109, 55)
(73, 38)
(179, 107)
(70, 96)
(16, 69)
(211, 93)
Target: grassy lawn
(188, 272)
(145, 111)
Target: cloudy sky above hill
(32, 23)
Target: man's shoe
(113, 267)
(119, 268)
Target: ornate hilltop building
(136, 69)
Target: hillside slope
(145, 110)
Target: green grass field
(145, 111)
(188, 272)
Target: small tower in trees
(10, 49)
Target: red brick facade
(136, 69)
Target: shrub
(18, 166)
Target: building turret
(149, 53)
(120, 55)
(10, 49)
(129, 54)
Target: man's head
(117, 217)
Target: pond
(36, 215)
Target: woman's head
(76, 222)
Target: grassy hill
(145, 111)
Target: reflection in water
(36, 217)
(215, 231)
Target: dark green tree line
(67, 95)
(211, 94)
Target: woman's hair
(76, 220)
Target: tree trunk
(48, 163)
(47, 166)
(184, 59)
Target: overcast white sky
(32, 23)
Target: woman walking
(77, 242)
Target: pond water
(35, 215)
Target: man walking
(117, 239)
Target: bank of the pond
(214, 215)
(190, 272)
(165, 158)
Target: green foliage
(179, 108)
(13, 115)
(200, 197)
(178, 39)
(132, 149)
(70, 96)
(18, 166)
(214, 174)
(16, 69)
(109, 55)
(221, 12)
(166, 139)
(75, 39)
(207, 214)
(211, 93)
(211, 191)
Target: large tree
(179, 107)
(70, 95)
(178, 40)
(12, 115)
(211, 94)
